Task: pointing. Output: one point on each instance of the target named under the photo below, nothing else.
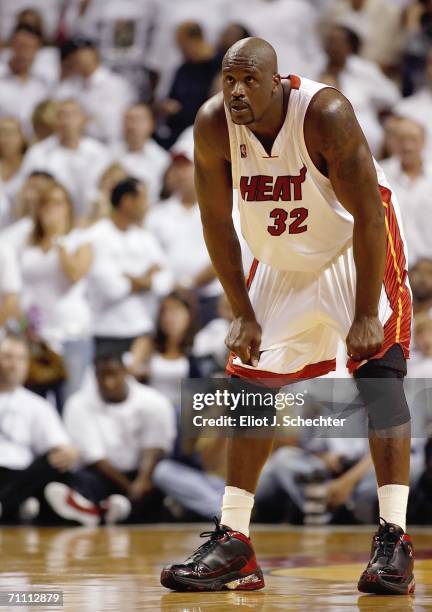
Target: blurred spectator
(418, 106)
(129, 272)
(54, 265)
(420, 276)
(209, 342)
(103, 94)
(344, 465)
(48, 13)
(410, 175)
(232, 33)
(420, 362)
(163, 56)
(21, 90)
(123, 429)
(44, 120)
(390, 142)
(139, 153)
(191, 84)
(380, 21)
(18, 233)
(168, 360)
(34, 446)
(176, 223)
(291, 26)
(75, 160)
(12, 148)
(361, 81)
(100, 201)
(10, 285)
(418, 40)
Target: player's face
(247, 91)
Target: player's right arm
(214, 190)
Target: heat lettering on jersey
(262, 188)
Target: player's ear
(276, 82)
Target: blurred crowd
(108, 298)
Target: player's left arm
(339, 149)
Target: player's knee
(383, 395)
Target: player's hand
(365, 338)
(244, 339)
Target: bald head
(252, 51)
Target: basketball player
(321, 221)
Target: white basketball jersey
(290, 215)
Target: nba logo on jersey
(243, 151)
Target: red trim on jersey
(397, 330)
(252, 272)
(295, 81)
(273, 379)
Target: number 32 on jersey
(292, 221)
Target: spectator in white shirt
(20, 89)
(130, 270)
(381, 21)
(10, 285)
(17, 234)
(75, 160)
(12, 149)
(361, 81)
(103, 94)
(420, 362)
(176, 223)
(420, 276)
(418, 106)
(54, 264)
(139, 153)
(410, 174)
(34, 446)
(123, 429)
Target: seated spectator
(410, 175)
(380, 20)
(231, 34)
(209, 342)
(21, 90)
(99, 205)
(12, 148)
(418, 105)
(44, 120)
(420, 276)
(360, 80)
(48, 13)
(168, 360)
(123, 429)
(103, 94)
(191, 84)
(420, 362)
(17, 234)
(54, 264)
(130, 271)
(34, 446)
(10, 285)
(176, 223)
(139, 153)
(75, 160)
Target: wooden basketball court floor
(117, 569)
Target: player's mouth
(238, 107)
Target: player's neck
(267, 129)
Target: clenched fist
(244, 339)
(365, 338)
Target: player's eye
(249, 80)
(229, 79)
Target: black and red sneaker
(390, 569)
(226, 562)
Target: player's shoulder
(328, 104)
(211, 127)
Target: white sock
(237, 506)
(393, 500)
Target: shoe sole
(231, 582)
(384, 587)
